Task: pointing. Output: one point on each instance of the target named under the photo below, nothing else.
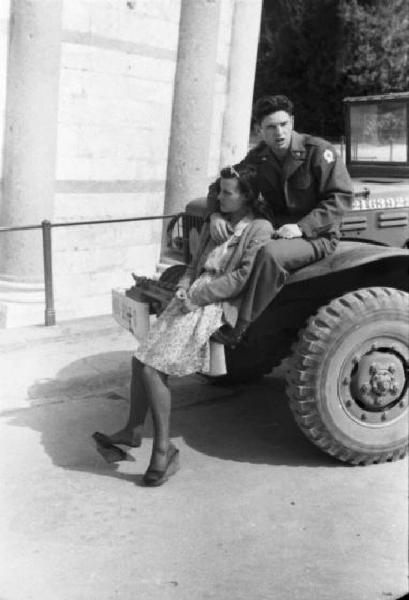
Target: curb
(75, 330)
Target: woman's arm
(231, 283)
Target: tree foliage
(374, 57)
(319, 51)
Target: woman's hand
(181, 293)
(185, 303)
(188, 306)
(220, 229)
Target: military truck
(342, 323)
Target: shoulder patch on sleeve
(328, 155)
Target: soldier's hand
(289, 231)
(220, 229)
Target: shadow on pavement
(249, 423)
(252, 424)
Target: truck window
(377, 135)
(379, 132)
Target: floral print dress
(178, 343)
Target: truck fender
(347, 256)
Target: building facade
(111, 109)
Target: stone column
(30, 142)
(31, 132)
(242, 68)
(187, 172)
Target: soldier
(306, 190)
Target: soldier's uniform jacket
(312, 188)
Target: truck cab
(377, 158)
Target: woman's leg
(158, 393)
(164, 460)
(131, 434)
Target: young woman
(207, 297)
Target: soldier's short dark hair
(266, 105)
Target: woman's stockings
(158, 394)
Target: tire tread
(305, 362)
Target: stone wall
(111, 82)
(117, 73)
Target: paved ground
(256, 512)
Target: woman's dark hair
(247, 180)
(266, 105)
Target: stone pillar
(242, 68)
(30, 142)
(187, 172)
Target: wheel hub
(374, 383)
(380, 379)
(382, 383)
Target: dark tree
(374, 56)
(319, 51)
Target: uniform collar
(297, 149)
(296, 155)
(264, 151)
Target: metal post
(49, 314)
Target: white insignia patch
(328, 156)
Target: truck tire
(348, 376)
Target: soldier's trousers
(274, 263)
